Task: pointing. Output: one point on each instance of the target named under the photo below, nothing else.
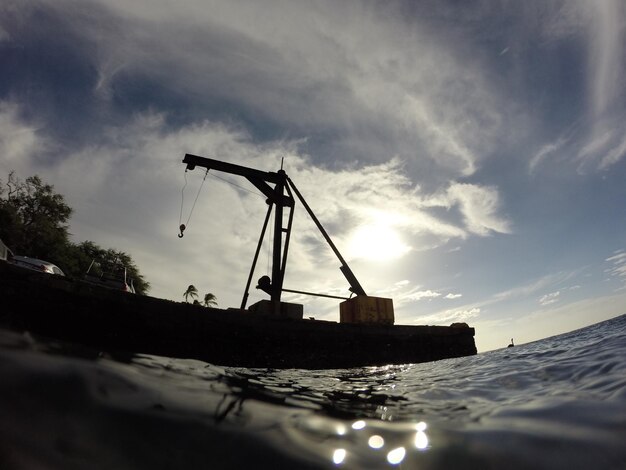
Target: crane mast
(279, 197)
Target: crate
(285, 309)
(368, 310)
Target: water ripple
(555, 403)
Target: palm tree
(210, 300)
(190, 292)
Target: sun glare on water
(377, 242)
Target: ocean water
(555, 403)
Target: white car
(36, 265)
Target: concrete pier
(107, 320)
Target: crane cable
(182, 226)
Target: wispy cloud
(418, 126)
(550, 298)
(546, 151)
(606, 54)
(520, 293)
(617, 267)
(598, 142)
(479, 206)
(381, 85)
(449, 316)
(614, 154)
(422, 294)
(19, 139)
(532, 287)
(344, 200)
(606, 145)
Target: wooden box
(365, 309)
(285, 309)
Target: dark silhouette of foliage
(108, 261)
(33, 218)
(210, 300)
(34, 222)
(190, 292)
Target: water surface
(555, 403)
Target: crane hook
(182, 229)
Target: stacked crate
(368, 310)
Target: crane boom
(275, 196)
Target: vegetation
(34, 222)
(210, 300)
(109, 261)
(190, 292)
(33, 218)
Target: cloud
(600, 150)
(448, 317)
(479, 206)
(422, 294)
(526, 290)
(384, 119)
(614, 155)
(617, 269)
(604, 148)
(601, 25)
(595, 138)
(550, 298)
(546, 151)
(618, 258)
(132, 179)
(606, 54)
(594, 145)
(606, 144)
(19, 140)
(404, 293)
(358, 85)
(516, 294)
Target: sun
(376, 242)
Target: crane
(280, 197)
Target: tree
(108, 261)
(190, 292)
(34, 222)
(33, 218)
(210, 300)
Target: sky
(467, 158)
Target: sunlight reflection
(383, 413)
(396, 456)
(421, 440)
(339, 456)
(360, 424)
(376, 441)
(379, 443)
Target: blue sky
(467, 158)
